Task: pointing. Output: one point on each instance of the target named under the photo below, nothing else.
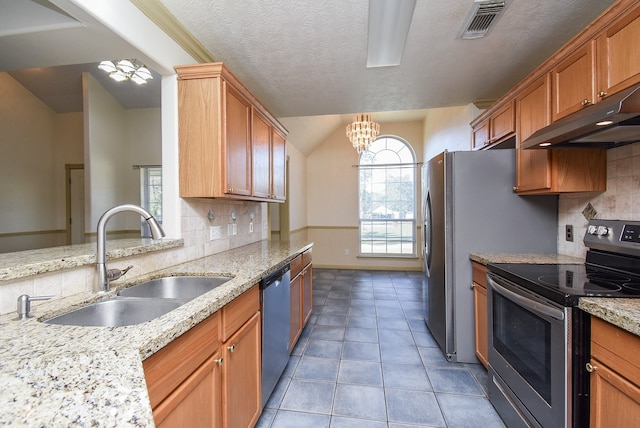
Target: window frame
(363, 221)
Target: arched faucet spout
(104, 276)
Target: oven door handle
(540, 308)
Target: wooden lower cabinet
(480, 307)
(301, 295)
(196, 402)
(241, 376)
(211, 375)
(615, 376)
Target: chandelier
(362, 132)
(126, 69)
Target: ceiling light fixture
(126, 69)
(362, 132)
(389, 22)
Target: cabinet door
(502, 124)
(237, 143)
(307, 294)
(295, 313)
(480, 135)
(573, 82)
(278, 165)
(261, 141)
(196, 402)
(532, 112)
(615, 401)
(241, 382)
(482, 340)
(619, 54)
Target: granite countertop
(54, 375)
(544, 259)
(21, 264)
(624, 313)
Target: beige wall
(332, 200)
(620, 201)
(448, 128)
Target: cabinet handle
(230, 190)
(231, 348)
(515, 188)
(591, 368)
(585, 102)
(220, 361)
(602, 94)
(473, 286)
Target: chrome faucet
(106, 275)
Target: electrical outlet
(251, 227)
(234, 229)
(568, 232)
(215, 232)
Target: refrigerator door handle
(427, 234)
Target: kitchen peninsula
(57, 375)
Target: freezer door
(437, 299)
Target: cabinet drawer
(239, 311)
(169, 367)
(479, 274)
(296, 266)
(306, 257)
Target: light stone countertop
(542, 259)
(21, 264)
(54, 375)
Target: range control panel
(620, 236)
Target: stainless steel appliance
(539, 340)
(274, 296)
(469, 206)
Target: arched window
(387, 195)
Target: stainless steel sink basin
(175, 287)
(116, 312)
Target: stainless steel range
(539, 339)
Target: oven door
(527, 354)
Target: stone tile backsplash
(620, 201)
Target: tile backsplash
(620, 201)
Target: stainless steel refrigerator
(469, 205)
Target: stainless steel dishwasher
(276, 305)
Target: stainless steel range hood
(612, 122)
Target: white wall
(620, 201)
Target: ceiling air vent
(483, 15)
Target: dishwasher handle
(274, 277)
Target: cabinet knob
(591, 368)
(230, 190)
(231, 348)
(515, 188)
(602, 94)
(220, 361)
(585, 102)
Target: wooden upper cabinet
(480, 135)
(261, 138)
(618, 54)
(225, 137)
(573, 82)
(501, 125)
(238, 143)
(279, 165)
(532, 111)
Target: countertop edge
(623, 313)
(524, 258)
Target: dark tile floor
(366, 359)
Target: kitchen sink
(175, 287)
(116, 312)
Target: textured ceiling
(307, 58)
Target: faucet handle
(24, 305)
(114, 274)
